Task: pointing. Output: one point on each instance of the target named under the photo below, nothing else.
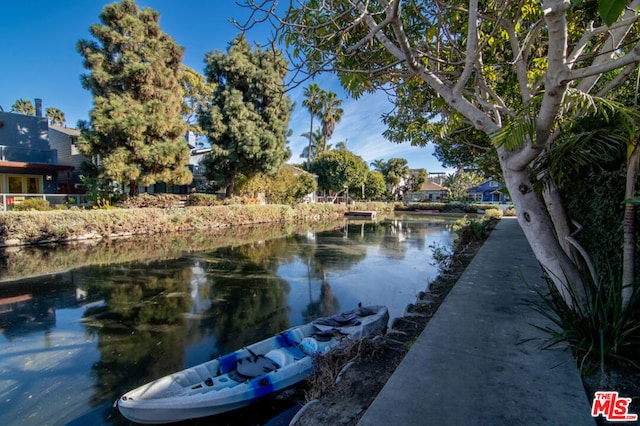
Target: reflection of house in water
(24, 314)
(28, 306)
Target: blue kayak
(237, 379)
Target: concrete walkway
(472, 366)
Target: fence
(11, 200)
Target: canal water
(81, 325)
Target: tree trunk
(539, 231)
(134, 189)
(558, 217)
(309, 149)
(230, 187)
(629, 247)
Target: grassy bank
(38, 227)
(26, 261)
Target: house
(429, 191)
(63, 140)
(437, 177)
(489, 191)
(28, 164)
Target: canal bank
(475, 363)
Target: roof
(20, 165)
(485, 187)
(66, 130)
(431, 186)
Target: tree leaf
(633, 201)
(610, 10)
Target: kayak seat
(290, 337)
(280, 357)
(255, 365)
(309, 346)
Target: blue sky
(39, 60)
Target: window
(17, 184)
(74, 148)
(32, 185)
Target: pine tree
(246, 121)
(136, 126)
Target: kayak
(239, 378)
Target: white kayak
(241, 377)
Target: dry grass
(330, 366)
(35, 227)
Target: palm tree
(341, 145)
(330, 113)
(22, 106)
(55, 116)
(378, 165)
(317, 144)
(312, 102)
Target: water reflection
(81, 338)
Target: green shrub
(377, 206)
(39, 204)
(469, 230)
(485, 207)
(493, 214)
(426, 206)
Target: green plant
(100, 188)
(39, 204)
(103, 203)
(442, 256)
(599, 332)
(469, 230)
(493, 214)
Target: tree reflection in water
(146, 318)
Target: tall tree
(313, 95)
(136, 126)
(55, 116)
(395, 171)
(22, 106)
(342, 145)
(317, 145)
(416, 179)
(374, 186)
(378, 165)
(247, 118)
(513, 72)
(330, 113)
(196, 93)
